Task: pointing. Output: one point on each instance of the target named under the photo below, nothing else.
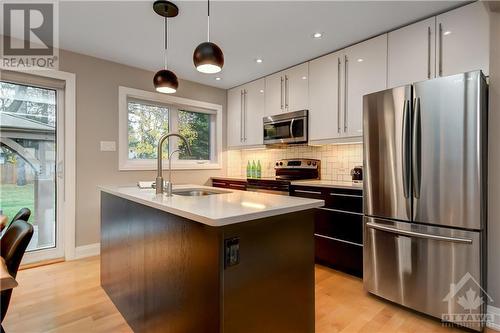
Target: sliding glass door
(31, 161)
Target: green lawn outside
(13, 198)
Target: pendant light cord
(208, 21)
(166, 41)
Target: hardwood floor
(67, 297)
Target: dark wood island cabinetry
(167, 273)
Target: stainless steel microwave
(286, 128)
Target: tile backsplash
(336, 160)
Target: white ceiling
(279, 32)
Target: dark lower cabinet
(229, 183)
(338, 231)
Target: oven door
(290, 130)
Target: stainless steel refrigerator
(425, 159)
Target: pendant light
(165, 81)
(208, 57)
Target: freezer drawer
(415, 265)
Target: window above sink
(145, 116)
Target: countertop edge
(215, 222)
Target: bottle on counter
(249, 170)
(253, 170)
(259, 170)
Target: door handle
(404, 148)
(291, 128)
(416, 150)
(345, 92)
(417, 234)
(338, 96)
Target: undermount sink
(196, 192)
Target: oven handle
(417, 234)
(291, 127)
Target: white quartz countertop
(228, 207)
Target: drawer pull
(308, 192)
(217, 183)
(237, 185)
(341, 211)
(338, 240)
(346, 195)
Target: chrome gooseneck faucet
(159, 175)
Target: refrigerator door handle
(417, 234)
(416, 149)
(404, 149)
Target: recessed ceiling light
(361, 60)
(218, 78)
(258, 60)
(304, 78)
(317, 35)
(446, 33)
(261, 91)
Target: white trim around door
(69, 168)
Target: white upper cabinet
(325, 81)
(463, 40)
(412, 53)
(365, 71)
(287, 91)
(234, 117)
(254, 103)
(274, 96)
(297, 88)
(245, 110)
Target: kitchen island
(230, 261)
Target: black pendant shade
(165, 81)
(208, 58)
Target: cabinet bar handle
(440, 49)
(338, 96)
(309, 192)
(340, 211)
(286, 92)
(245, 115)
(338, 240)
(281, 93)
(237, 185)
(346, 195)
(241, 115)
(345, 92)
(428, 52)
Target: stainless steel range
(286, 170)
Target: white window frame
(126, 94)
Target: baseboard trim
(89, 250)
(495, 312)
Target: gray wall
(494, 163)
(97, 84)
